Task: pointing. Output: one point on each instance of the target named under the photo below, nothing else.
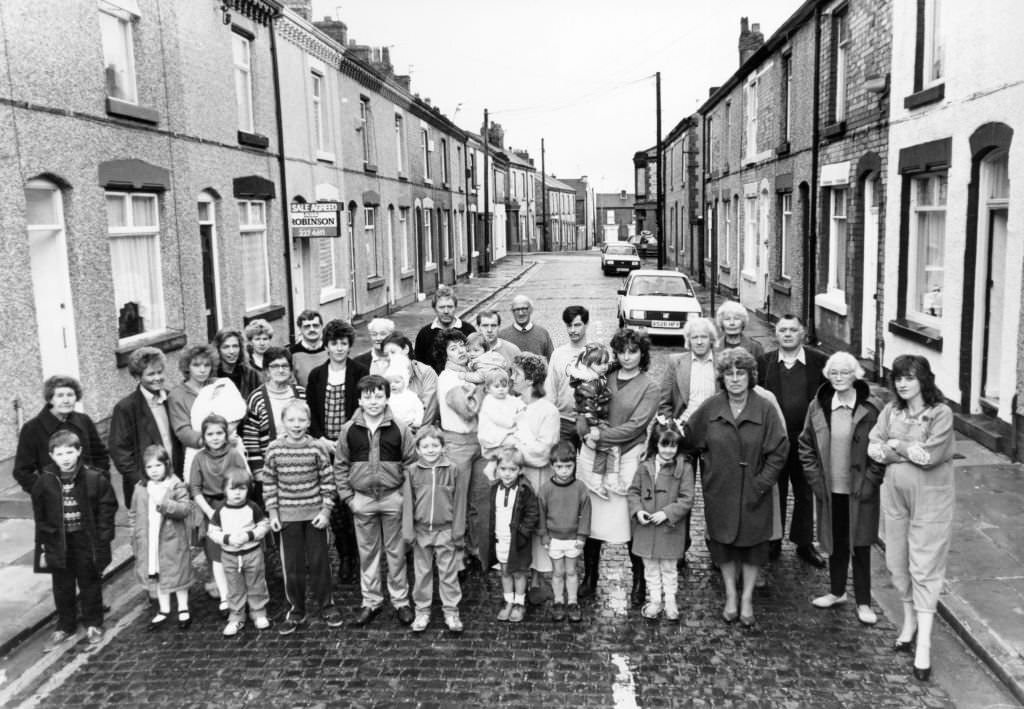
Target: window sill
(783, 286)
(445, 186)
(370, 167)
(324, 156)
(402, 177)
(724, 269)
(834, 301)
(448, 262)
(922, 334)
(253, 140)
(164, 340)
(131, 111)
(430, 267)
(267, 312)
(834, 130)
(428, 182)
(329, 295)
(782, 148)
(374, 282)
(924, 97)
(405, 275)
(749, 276)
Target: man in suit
(793, 374)
(140, 420)
(374, 359)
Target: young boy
(564, 527)
(513, 521)
(74, 508)
(434, 523)
(239, 527)
(372, 449)
(298, 492)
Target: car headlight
(692, 316)
(636, 314)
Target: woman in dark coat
(742, 443)
(60, 393)
(834, 455)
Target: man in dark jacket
(793, 374)
(140, 420)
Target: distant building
(645, 182)
(616, 220)
(682, 220)
(521, 227)
(586, 212)
(559, 199)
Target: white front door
(51, 281)
(869, 304)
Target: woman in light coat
(834, 455)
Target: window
(751, 119)
(118, 49)
(241, 49)
(446, 237)
(457, 218)
(328, 268)
(787, 95)
(373, 249)
(841, 41)
(425, 151)
(399, 143)
(428, 237)
(445, 167)
(785, 232)
(610, 216)
(837, 240)
(366, 132)
(931, 69)
(252, 221)
(728, 134)
(319, 124)
(475, 181)
(458, 166)
(750, 237)
(133, 225)
(726, 232)
(927, 245)
(403, 234)
(711, 144)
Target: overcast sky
(579, 73)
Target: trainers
(452, 620)
(505, 613)
(332, 617)
(55, 639)
(517, 614)
(866, 616)
(671, 612)
(421, 621)
(828, 600)
(262, 622)
(651, 610)
(232, 628)
(94, 634)
(289, 625)
(557, 612)
(224, 608)
(574, 613)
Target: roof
(552, 184)
(614, 200)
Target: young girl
(238, 526)
(513, 521)
(588, 378)
(206, 485)
(405, 405)
(159, 516)
(659, 498)
(564, 527)
(496, 422)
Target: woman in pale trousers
(914, 439)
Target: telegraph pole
(545, 243)
(660, 198)
(487, 194)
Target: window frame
(926, 75)
(400, 144)
(750, 99)
(403, 228)
(370, 233)
(243, 71)
(249, 228)
(840, 62)
(426, 154)
(125, 19)
(914, 212)
(838, 233)
(320, 120)
(445, 164)
(785, 232)
(156, 309)
(787, 97)
(428, 238)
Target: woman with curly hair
(913, 438)
(634, 402)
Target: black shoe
(366, 614)
(811, 556)
(775, 549)
(638, 594)
(158, 622)
(922, 675)
(588, 589)
(905, 646)
(405, 615)
(680, 565)
(184, 620)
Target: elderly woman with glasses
(845, 481)
(742, 444)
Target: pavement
(983, 601)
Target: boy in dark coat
(515, 515)
(74, 507)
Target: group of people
(482, 446)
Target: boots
(639, 591)
(591, 560)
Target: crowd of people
(474, 447)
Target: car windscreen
(623, 250)
(660, 285)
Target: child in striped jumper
(298, 491)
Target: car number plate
(665, 323)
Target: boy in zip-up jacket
(434, 523)
(368, 470)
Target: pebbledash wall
(953, 252)
(83, 149)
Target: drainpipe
(811, 244)
(285, 224)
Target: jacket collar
(442, 462)
(754, 410)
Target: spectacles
(279, 365)
(520, 310)
(840, 372)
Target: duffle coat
(174, 556)
(740, 462)
(671, 493)
(525, 519)
(865, 474)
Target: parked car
(618, 256)
(658, 302)
(646, 243)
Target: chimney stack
(304, 8)
(751, 40)
(335, 29)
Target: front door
(51, 284)
(995, 284)
(208, 245)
